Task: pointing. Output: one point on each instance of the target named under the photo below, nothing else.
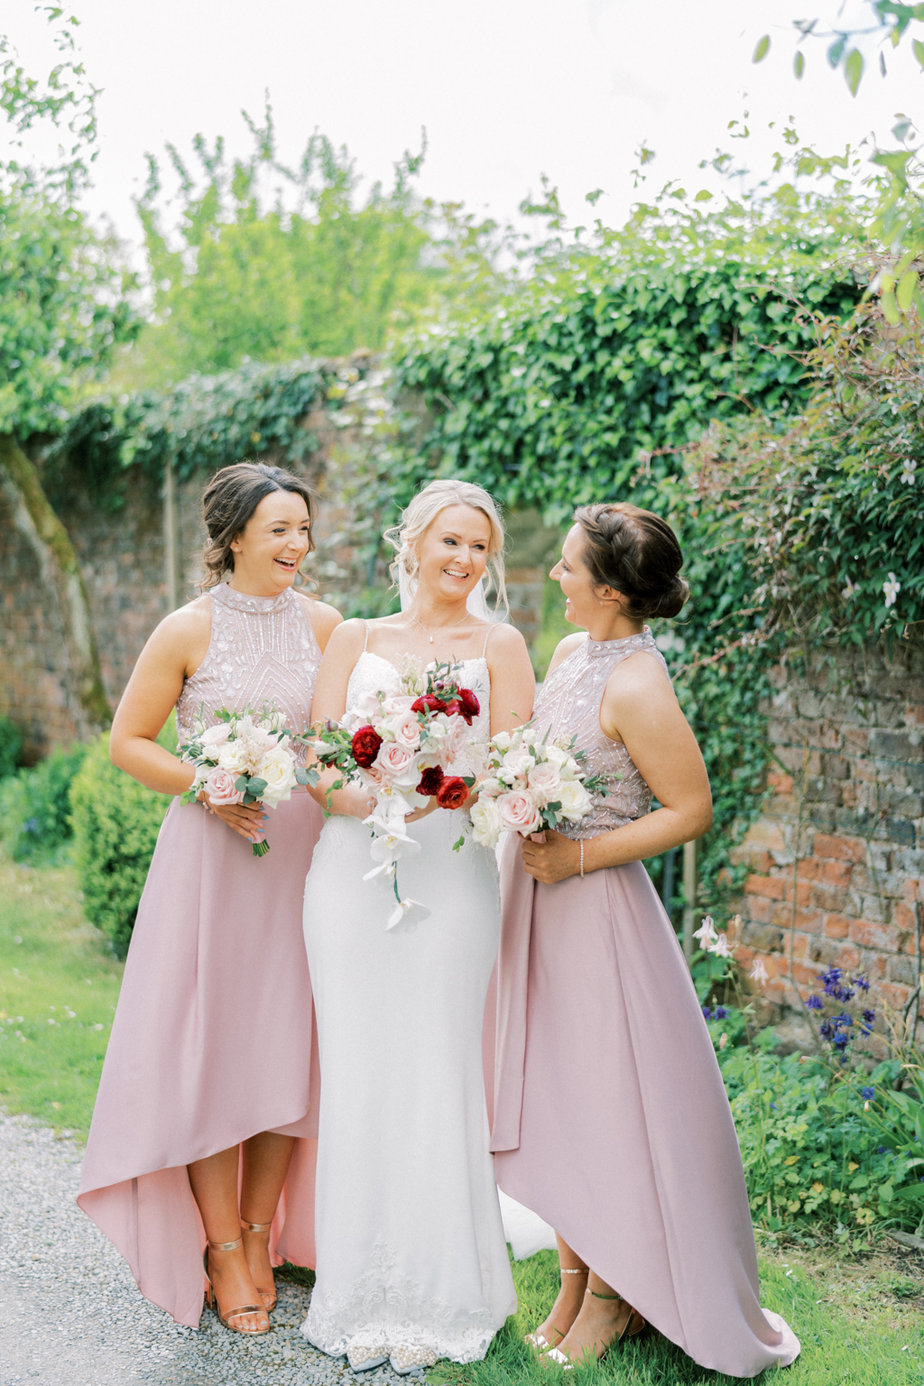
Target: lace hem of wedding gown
(386, 1311)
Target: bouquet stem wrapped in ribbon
(401, 748)
(243, 758)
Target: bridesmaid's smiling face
(571, 573)
(272, 544)
(452, 552)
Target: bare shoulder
(640, 675)
(346, 636)
(324, 618)
(566, 647)
(187, 626)
(503, 641)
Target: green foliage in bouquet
(116, 822)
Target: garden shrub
(35, 806)
(10, 747)
(116, 822)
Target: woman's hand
(416, 814)
(550, 856)
(247, 820)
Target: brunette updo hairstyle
(636, 553)
(420, 514)
(228, 502)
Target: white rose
(234, 756)
(214, 736)
(486, 822)
(516, 766)
(574, 799)
(406, 730)
(278, 769)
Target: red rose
(452, 708)
(430, 780)
(427, 702)
(452, 793)
(365, 744)
(469, 705)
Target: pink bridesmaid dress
(213, 1037)
(611, 1119)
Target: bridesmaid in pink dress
(209, 1080)
(611, 1120)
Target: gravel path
(71, 1313)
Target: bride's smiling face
(453, 551)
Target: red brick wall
(837, 857)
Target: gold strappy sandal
(269, 1297)
(232, 1313)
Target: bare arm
(639, 708)
(173, 653)
(343, 648)
(513, 686)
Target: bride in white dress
(411, 1258)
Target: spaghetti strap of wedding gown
(411, 1257)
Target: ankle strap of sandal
(255, 1226)
(574, 1270)
(226, 1246)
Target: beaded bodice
(262, 650)
(569, 705)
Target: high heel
(538, 1341)
(269, 1297)
(634, 1325)
(232, 1313)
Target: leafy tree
(273, 262)
(898, 218)
(65, 305)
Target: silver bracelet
(582, 858)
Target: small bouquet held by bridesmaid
(243, 758)
(401, 748)
(533, 783)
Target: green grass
(58, 990)
(861, 1319)
(861, 1323)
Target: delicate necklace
(416, 621)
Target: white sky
(507, 89)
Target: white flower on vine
(909, 467)
(891, 588)
(849, 590)
(706, 932)
(758, 972)
(720, 947)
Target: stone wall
(836, 859)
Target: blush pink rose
(519, 813)
(545, 781)
(220, 788)
(396, 763)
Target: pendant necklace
(416, 621)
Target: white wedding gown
(411, 1256)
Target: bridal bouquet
(533, 783)
(401, 748)
(243, 759)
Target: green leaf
(762, 49)
(798, 63)
(905, 290)
(917, 48)
(853, 70)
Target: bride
(411, 1257)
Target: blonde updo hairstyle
(637, 554)
(228, 502)
(420, 514)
